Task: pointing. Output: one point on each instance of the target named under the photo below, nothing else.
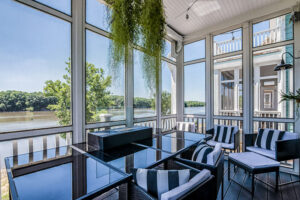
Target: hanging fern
(138, 22)
(152, 22)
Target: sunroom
(79, 122)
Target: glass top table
(127, 157)
(186, 135)
(66, 174)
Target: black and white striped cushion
(185, 126)
(223, 134)
(267, 138)
(201, 152)
(156, 182)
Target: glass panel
(228, 86)
(104, 89)
(168, 50)
(96, 14)
(195, 50)
(144, 98)
(268, 84)
(22, 146)
(194, 89)
(61, 5)
(273, 30)
(168, 96)
(228, 42)
(38, 59)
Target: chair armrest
(236, 141)
(210, 131)
(287, 149)
(136, 192)
(250, 139)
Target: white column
(129, 88)
(247, 81)
(78, 76)
(172, 69)
(209, 82)
(180, 85)
(297, 80)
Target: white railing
(268, 36)
(259, 38)
(227, 46)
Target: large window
(195, 50)
(228, 86)
(96, 14)
(274, 30)
(194, 89)
(168, 95)
(144, 94)
(61, 5)
(269, 84)
(104, 85)
(228, 42)
(35, 77)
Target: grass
(4, 185)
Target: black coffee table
(254, 164)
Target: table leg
(228, 170)
(252, 192)
(277, 176)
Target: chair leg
(222, 189)
(252, 192)
(277, 177)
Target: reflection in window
(168, 96)
(104, 89)
(271, 31)
(38, 95)
(268, 84)
(96, 14)
(168, 50)
(194, 89)
(195, 50)
(228, 87)
(228, 42)
(144, 98)
(61, 5)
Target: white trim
(194, 61)
(105, 124)
(34, 133)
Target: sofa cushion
(183, 189)
(212, 157)
(224, 145)
(267, 138)
(201, 152)
(224, 134)
(261, 151)
(156, 182)
(290, 136)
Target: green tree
(165, 103)
(97, 96)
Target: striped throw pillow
(201, 152)
(267, 138)
(157, 182)
(223, 134)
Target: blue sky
(34, 47)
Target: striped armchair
(227, 136)
(186, 126)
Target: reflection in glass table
(68, 175)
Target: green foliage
(166, 103)
(11, 101)
(97, 96)
(140, 102)
(193, 104)
(134, 22)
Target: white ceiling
(206, 13)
